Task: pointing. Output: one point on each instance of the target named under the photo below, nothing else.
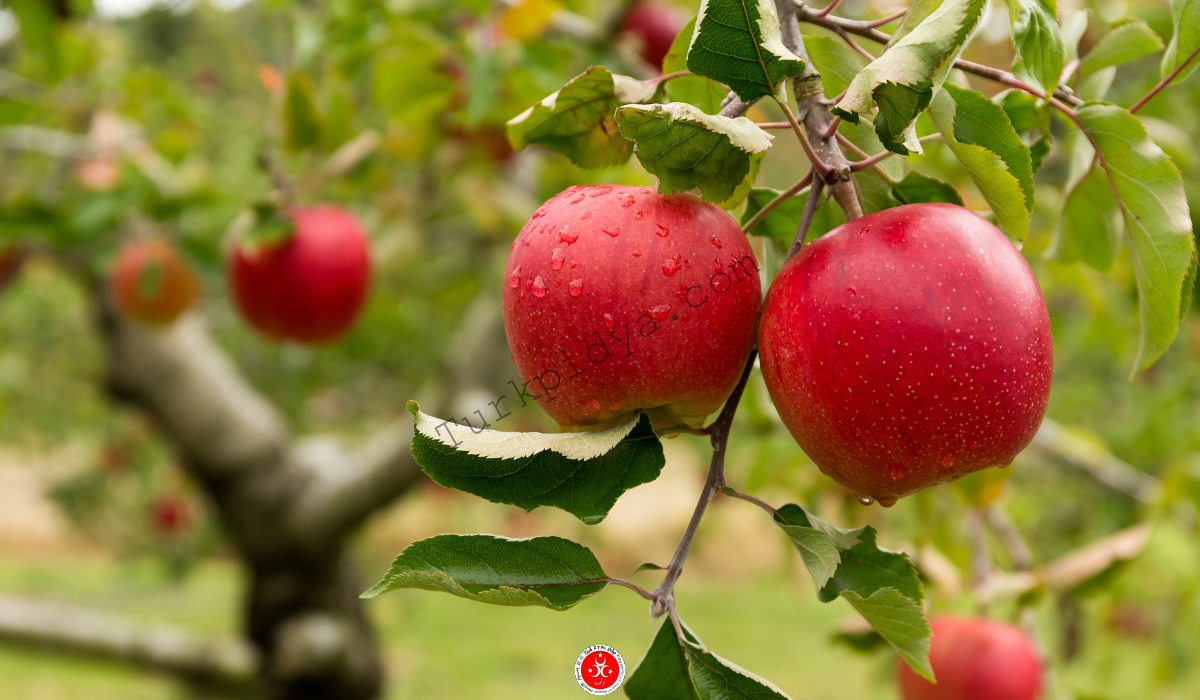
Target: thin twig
(854, 44)
(774, 125)
(810, 209)
(663, 596)
(1002, 524)
(828, 8)
(833, 127)
(872, 160)
(1163, 83)
(783, 197)
(751, 499)
(849, 146)
(885, 20)
(631, 586)
(817, 164)
(1006, 78)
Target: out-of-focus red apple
(310, 287)
(975, 659)
(617, 298)
(168, 515)
(907, 348)
(655, 24)
(151, 283)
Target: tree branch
(162, 648)
(1097, 462)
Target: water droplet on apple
(671, 265)
(627, 200)
(568, 235)
(600, 191)
(661, 230)
(637, 253)
(715, 241)
(576, 287)
(556, 258)
(720, 283)
(578, 198)
(887, 501)
(585, 215)
(865, 230)
(614, 231)
(896, 471)
(947, 460)
(659, 313)
(852, 290)
(608, 321)
(865, 500)
(539, 287)
(594, 405)
(1006, 465)
(638, 216)
(514, 280)
(541, 211)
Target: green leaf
(662, 674)
(835, 61)
(692, 89)
(581, 473)
(918, 11)
(577, 121)
(1152, 200)
(979, 133)
(547, 571)
(743, 189)
(1074, 24)
(687, 148)
(1029, 116)
(1038, 42)
(917, 188)
(1089, 225)
(648, 566)
(1184, 40)
(35, 18)
(738, 43)
(899, 85)
(300, 117)
(885, 589)
(818, 542)
(1126, 42)
(718, 679)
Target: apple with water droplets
(619, 299)
(975, 659)
(309, 287)
(907, 348)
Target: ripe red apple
(907, 348)
(310, 287)
(655, 24)
(975, 659)
(151, 283)
(168, 515)
(617, 298)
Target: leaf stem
(854, 44)
(663, 597)
(872, 160)
(783, 196)
(885, 20)
(828, 8)
(729, 491)
(810, 210)
(774, 125)
(818, 165)
(849, 146)
(630, 585)
(1163, 83)
(833, 127)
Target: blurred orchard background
(120, 118)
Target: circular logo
(599, 669)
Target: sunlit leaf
(737, 43)
(1184, 40)
(692, 89)
(1038, 43)
(1126, 42)
(662, 674)
(718, 679)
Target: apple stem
(810, 210)
(662, 598)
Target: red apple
(617, 298)
(310, 287)
(168, 515)
(907, 348)
(151, 283)
(975, 659)
(655, 24)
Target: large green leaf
(899, 85)
(980, 134)
(547, 571)
(1126, 42)
(882, 586)
(1152, 200)
(577, 121)
(581, 473)
(1031, 118)
(738, 43)
(692, 89)
(1184, 40)
(918, 188)
(687, 148)
(717, 679)
(300, 117)
(662, 674)
(917, 12)
(1038, 42)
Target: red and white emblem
(599, 669)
